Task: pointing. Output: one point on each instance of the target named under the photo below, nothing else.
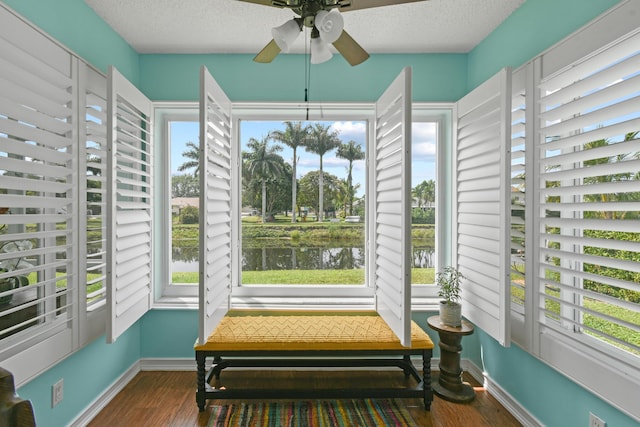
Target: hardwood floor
(157, 399)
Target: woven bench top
(276, 330)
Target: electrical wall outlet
(595, 421)
(57, 392)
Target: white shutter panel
(38, 197)
(520, 199)
(215, 204)
(482, 217)
(129, 189)
(392, 206)
(93, 158)
(589, 189)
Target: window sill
(284, 303)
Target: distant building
(179, 203)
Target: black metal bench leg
(201, 392)
(426, 380)
(407, 361)
(217, 360)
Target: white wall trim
(160, 364)
(109, 393)
(510, 404)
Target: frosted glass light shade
(286, 34)
(319, 51)
(329, 25)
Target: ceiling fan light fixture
(329, 25)
(319, 51)
(286, 34)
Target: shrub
(190, 215)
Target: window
(575, 216)
(185, 195)
(176, 125)
(52, 233)
(177, 198)
(590, 201)
(320, 238)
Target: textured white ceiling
(232, 26)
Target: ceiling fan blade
(268, 53)
(368, 4)
(262, 2)
(350, 49)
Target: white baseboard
(101, 401)
(513, 406)
(188, 364)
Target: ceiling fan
(324, 19)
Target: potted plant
(448, 281)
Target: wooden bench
(322, 339)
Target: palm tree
(321, 142)
(425, 193)
(263, 163)
(350, 151)
(294, 136)
(193, 156)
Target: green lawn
(321, 277)
(598, 323)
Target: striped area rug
(314, 413)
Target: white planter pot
(451, 314)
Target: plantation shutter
(392, 206)
(129, 188)
(216, 192)
(38, 198)
(519, 200)
(482, 212)
(589, 233)
(92, 187)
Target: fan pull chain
(307, 72)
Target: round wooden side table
(448, 383)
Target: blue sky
(423, 148)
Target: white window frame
(424, 296)
(166, 294)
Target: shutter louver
(130, 198)
(392, 207)
(216, 190)
(482, 182)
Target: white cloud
(350, 130)
(422, 150)
(421, 131)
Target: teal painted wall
(169, 333)
(76, 26)
(551, 397)
(530, 30)
(86, 374)
(437, 77)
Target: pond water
(300, 258)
